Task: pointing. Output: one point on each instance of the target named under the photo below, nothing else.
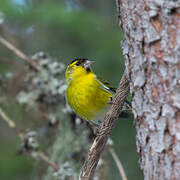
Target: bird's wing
(106, 85)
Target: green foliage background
(65, 30)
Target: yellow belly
(87, 97)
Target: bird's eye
(78, 63)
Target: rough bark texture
(152, 51)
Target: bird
(87, 94)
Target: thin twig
(47, 160)
(10, 122)
(18, 53)
(40, 154)
(119, 164)
(105, 130)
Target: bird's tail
(126, 110)
(127, 105)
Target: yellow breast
(87, 96)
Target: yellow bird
(87, 94)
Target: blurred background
(65, 29)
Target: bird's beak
(88, 63)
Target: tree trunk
(152, 51)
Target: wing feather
(106, 85)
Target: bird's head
(78, 67)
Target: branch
(105, 130)
(46, 159)
(7, 119)
(18, 53)
(34, 152)
(118, 163)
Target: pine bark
(152, 52)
